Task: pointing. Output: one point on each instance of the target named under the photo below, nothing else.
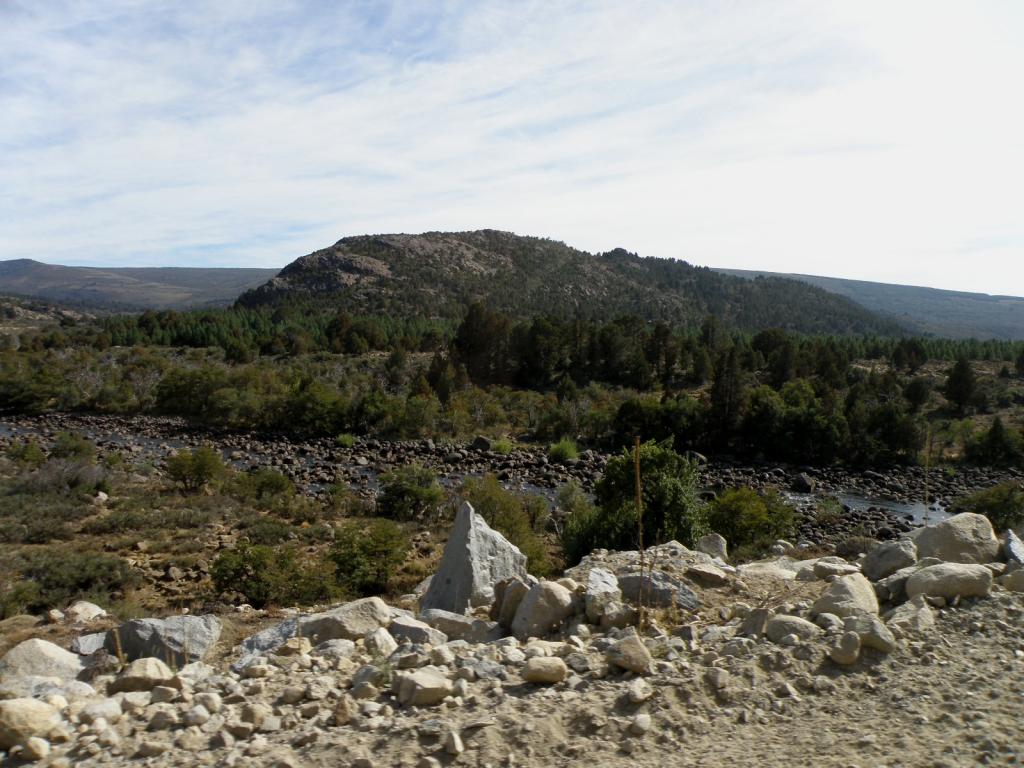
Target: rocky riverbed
(877, 503)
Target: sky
(864, 139)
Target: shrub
(1002, 504)
(262, 485)
(502, 446)
(265, 575)
(27, 454)
(61, 576)
(518, 518)
(409, 493)
(367, 555)
(68, 445)
(194, 469)
(345, 440)
(562, 451)
(267, 530)
(64, 476)
(998, 447)
(745, 517)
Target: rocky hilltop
(908, 655)
(438, 273)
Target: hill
(438, 273)
(925, 311)
(128, 287)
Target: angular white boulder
(350, 621)
(963, 538)
(542, 611)
(950, 580)
(181, 639)
(847, 596)
(40, 658)
(23, 719)
(602, 591)
(780, 626)
(475, 558)
(885, 559)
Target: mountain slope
(929, 311)
(438, 273)
(129, 287)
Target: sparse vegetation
(1003, 504)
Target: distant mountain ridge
(924, 311)
(439, 273)
(129, 287)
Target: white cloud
(870, 140)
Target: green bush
(502, 446)
(1002, 504)
(746, 518)
(366, 555)
(672, 508)
(280, 576)
(520, 519)
(195, 469)
(262, 485)
(27, 453)
(409, 493)
(562, 451)
(345, 440)
(71, 446)
(60, 576)
(267, 530)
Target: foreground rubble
(888, 660)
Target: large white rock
(424, 687)
(542, 611)
(872, 632)
(350, 621)
(602, 591)
(406, 629)
(544, 670)
(23, 719)
(715, 545)
(847, 596)
(963, 538)
(475, 558)
(40, 658)
(885, 559)
(83, 611)
(950, 580)
(142, 675)
(914, 615)
(780, 626)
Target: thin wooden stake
(639, 528)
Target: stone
(21, 719)
(381, 643)
(179, 639)
(141, 675)
(717, 678)
(963, 538)
(406, 629)
(424, 687)
(512, 593)
(871, 632)
(545, 670)
(915, 615)
(828, 621)
(294, 646)
(454, 625)
(886, 559)
(658, 590)
(1013, 581)
(756, 623)
(629, 653)
(638, 691)
(152, 748)
(602, 590)
(641, 724)
(350, 621)
(714, 545)
(781, 626)
(35, 748)
(107, 708)
(475, 558)
(542, 611)
(453, 743)
(707, 575)
(82, 611)
(335, 649)
(846, 650)
(40, 658)
(949, 580)
(826, 567)
(1013, 547)
(803, 483)
(847, 596)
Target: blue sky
(873, 140)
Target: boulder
(454, 625)
(963, 538)
(914, 615)
(780, 626)
(630, 653)
(1013, 548)
(602, 590)
(714, 545)
(545, 670)
(82, 611)
(949, 580)
(803, 483)
(847, 596)
(380, 643)
(350, 621)
(707, 575)
(755, 623)
(40, 658)
(405, 629)
(886, 559)
(542, 611)
(34, 687)
(826, 567)
(1014, 581)
(846, 649)
(178, 639)
(142, 675)
(424, 687)
(871, 632)
(23, 719)
(87, 645)
(474, 560)
(509, 593)
(659, 590)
